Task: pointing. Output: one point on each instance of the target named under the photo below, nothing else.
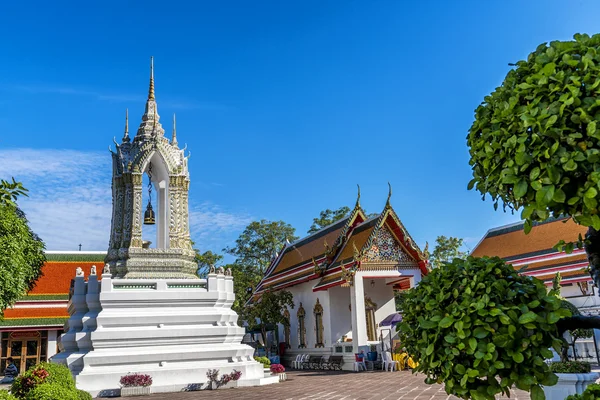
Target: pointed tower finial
(358, 197)
(126, 134)
(151, 89)
(387, 203)
(174, 138)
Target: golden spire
(151, 89)
(126, 135)
(174, 139)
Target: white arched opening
(160, 203)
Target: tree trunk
(592, 249)
(578, 322)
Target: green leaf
(570, 165)
(537, 393)
(573, 200)
(518, 358)
(559, 196)
(446, 322)
(535, 172)
(527, 317)
(521, 188)
(552, 318)
(591, 193)
(450, 339)
(544, 195)
(480, 333)
(591, 128)
(549, 69)
(473, 343)
(429, 349)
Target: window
(301, 327)
(370, 308)
(286, 328)
(318, 311)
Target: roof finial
(387, 203)
(126, 135)
(358, 197)
(174, 138)
(151, 89)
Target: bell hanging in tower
(149, 217)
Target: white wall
(341, 317)
(303, 294)
(382, 295)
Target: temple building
(534, 255)
(30, 330)
(342, 279)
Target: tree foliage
(446, 249)
(328, 217)
(255, 247)
(205, 261)
(480, 327)
(21, 251)
(535, 141)
(269, 309)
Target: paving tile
(323, 385)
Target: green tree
(328, 217)
(257, 244)
(21, 251)
(535, 144)
(269, 309)
(480, 327)
(446, 249)
(399, 298)
(206, 260)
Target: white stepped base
(169, 329)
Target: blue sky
(285, 105)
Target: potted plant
(135, 385)
(278, 369)
(592, 392)
(573, 378)
(226, 380)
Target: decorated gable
(385, 248)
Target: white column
(51, 348)
(162, 227)
(359, 320)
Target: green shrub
(42, 373)
(592, 392)
(52, 391)
(264, 361)
(480, 327)
(4, 395)
(570, 367)
(58, 373)
(83, 395)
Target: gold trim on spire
(151, 89)
(358, 197)
(174, 138)
(387, 203)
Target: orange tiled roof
(511, 241)
(58, 274)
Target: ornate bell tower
(166, 166)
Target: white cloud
(69, 200)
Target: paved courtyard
(311, 385)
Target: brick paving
(311, 385)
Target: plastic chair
(296, 362)
(359, 362)
(388, 362)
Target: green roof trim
(36, 297)
(83, 257)
(33, 321)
